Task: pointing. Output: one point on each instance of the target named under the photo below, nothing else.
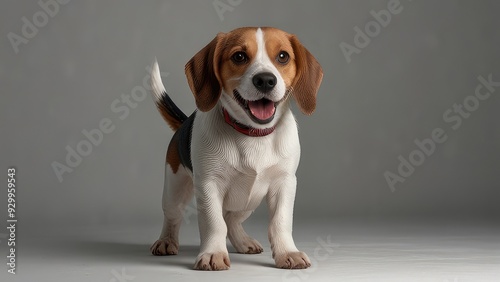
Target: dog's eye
(283, 57)
(239, 58)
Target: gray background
(369, 112)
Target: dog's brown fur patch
(173, 158)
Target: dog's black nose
(264, 81)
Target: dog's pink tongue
(261, 109)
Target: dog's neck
(249, 131)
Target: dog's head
(252, 71)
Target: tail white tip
(156, 83)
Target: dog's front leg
(213, 230)
(280, 202)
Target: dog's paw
(165, 247)
(212, 261)
(292, 260)
(248, 246)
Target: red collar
(250, 131)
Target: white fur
(232, 173)
(156, 83)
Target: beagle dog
(240, 146)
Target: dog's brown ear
(203, 76)
(308, 78)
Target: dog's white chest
(250, 167)
(243, 168)
(244, 192)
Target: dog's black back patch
(184, 134)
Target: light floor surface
(444, 251)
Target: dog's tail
(167, 108)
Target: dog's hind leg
(239, 238)
(178, 191)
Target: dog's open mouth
(260, 111)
